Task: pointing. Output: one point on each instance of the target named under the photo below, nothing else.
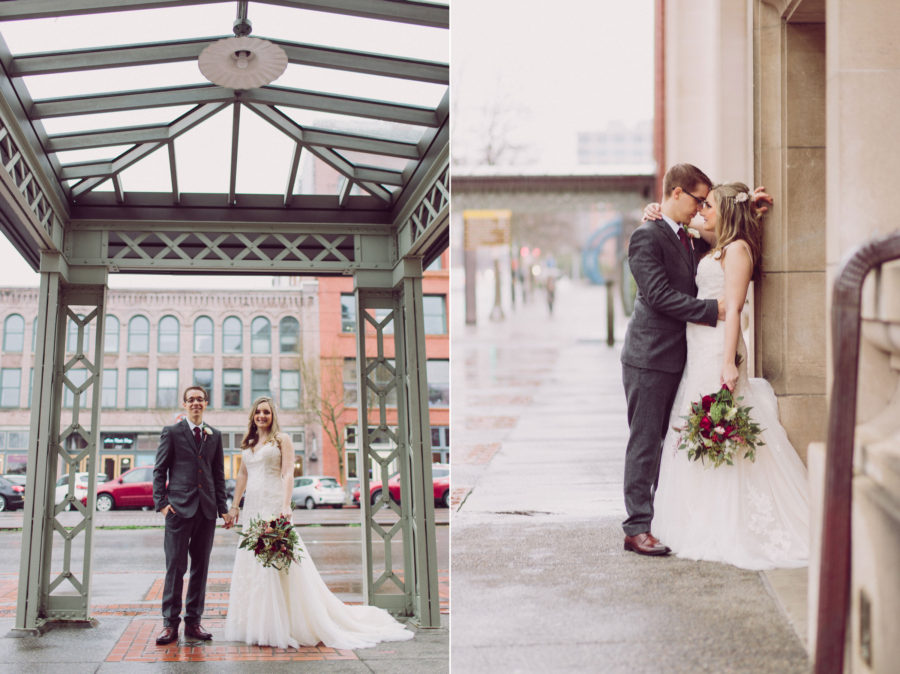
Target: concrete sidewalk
(540, 579)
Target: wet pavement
(540, 579)
(126, 592)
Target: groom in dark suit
(189, 489)
(663, 261)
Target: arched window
(139, 335)
(203, 335)
(289, 335)
(111, 335)
(14, 333)
(260, 335)
(169, 330)
(72, 336)
(232, 330)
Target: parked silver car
(81, 480)
(311, 491)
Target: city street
(128, 568)
(540, 579)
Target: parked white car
(81, 481)
(311, 491)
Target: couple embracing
(684, 342)
(267, 606)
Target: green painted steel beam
(401, 11)
(210, 93)
(174, 51)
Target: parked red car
(132, 489)
(440, 478)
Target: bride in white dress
(754, 515)
(294, 607)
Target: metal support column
(385, 522)
(53, 442)
(418, 490)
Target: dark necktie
(197, 436)
(684, 239)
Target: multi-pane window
(136, 388)
(289, 335)
(77, 377)
(10, 384)
(348, 313)
(350, 385)
(259, 384)
(435, 313)
(169, 330)
(167, 388)
(203, 335)
(231, 388)
(139, 335)
(111, 335)
(438, 372)
(14, 333)
(72, 337)
(381, 376)
(232, 330)
(440, 444)
(260, 335)
(204, 378)
(290, 389)
(109, 393)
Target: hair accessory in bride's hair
(741, 197)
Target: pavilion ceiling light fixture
(242, 62)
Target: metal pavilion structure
(73, 200)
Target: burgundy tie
(197, 436)
(684, 239)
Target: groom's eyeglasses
(702, 203)
(195, 400)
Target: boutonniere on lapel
(691, 233)
(207, 431)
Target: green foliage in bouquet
(718, 429)
(274, 542)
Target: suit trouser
(186, 536)
(649, 394)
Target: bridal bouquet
(718, 429)
(274, 542)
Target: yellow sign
(486, 228)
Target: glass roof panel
(368, 127)
(91, 154)
(150, 174)
(378, 160)
(129, 27)
(131, 78)
(203, 155)
(349, 32)
(113, 120)
(264, 157)
(362, 85)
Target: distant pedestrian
(551, 293)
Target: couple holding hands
(267, 606)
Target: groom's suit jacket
(196, 476)
(666, 299)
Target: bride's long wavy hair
(251, 437)
(737, 220)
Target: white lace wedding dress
(295, 607)
(754, 515)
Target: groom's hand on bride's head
(760, 199)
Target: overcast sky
(550, 68)
(559, 67)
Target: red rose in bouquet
(718, 428)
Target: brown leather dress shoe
(646, 544)
(168, 635)
(196, 632)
